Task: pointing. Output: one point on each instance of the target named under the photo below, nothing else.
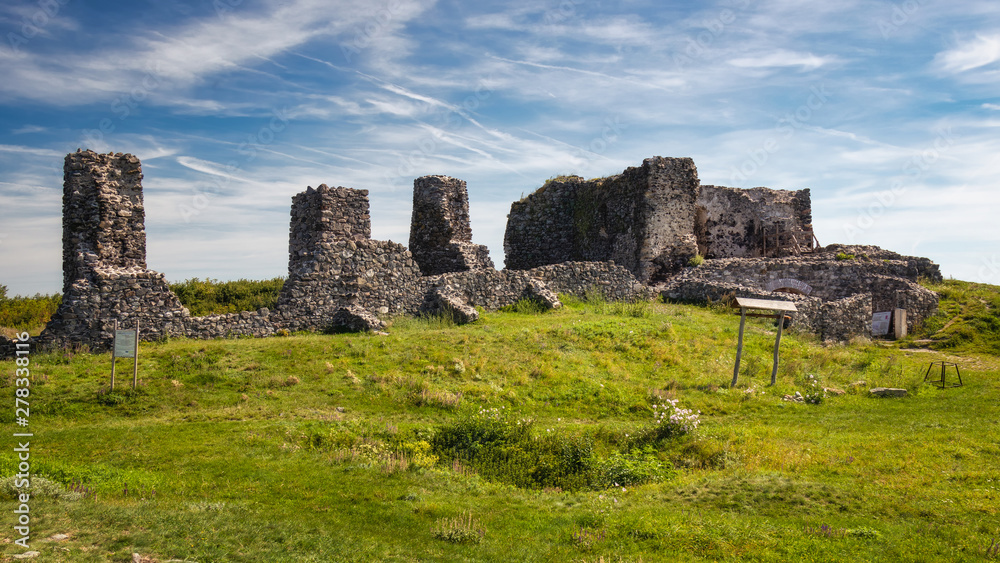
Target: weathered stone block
(356, 319)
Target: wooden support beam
(739, 346)
(777, 343)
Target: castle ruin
(629, 235)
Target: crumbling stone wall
(642, 219)
(103, 215)
(614, 282)
(440, 230)
(333, 263)
(731, 222)
(104, 257)
(635, 228)
(845, 292)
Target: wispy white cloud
(969, 54)
(166, 63)
(29, 129)
(34, 151)
(782, 58)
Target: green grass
(349, 447)
(968, 319)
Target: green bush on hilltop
(27, 313)
(214, 297)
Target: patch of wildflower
(816, 392)
(671, 420)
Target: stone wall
(642, 219)
(615, 282)
(617, 235)
(731, 222)
(844, 294)
(103, 215)
(440, 231)
(104, 257)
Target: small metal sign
(125, 343)
(880, 323)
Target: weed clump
(40, 488)
(461, 529)
(500, 447)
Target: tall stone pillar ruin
(104, 257)
(334, 266)
(440, 231)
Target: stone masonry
(844, 293)
(731, 222)
(440, 231)
(104, 256)
(628, 236)
(334, 264)
(642, 219)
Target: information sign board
(880, 323)
(125, 343)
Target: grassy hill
(522, 437)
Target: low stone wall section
(245, 323)
(615, 282)
(380, 276)
(839, 320)
(87, 312)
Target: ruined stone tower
(440, 231)
(642, 219)
(104, 256)
(103, 215)
(333, 263)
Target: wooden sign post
(126, 345)
(780, 308)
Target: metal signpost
(126, 346)
(779, 308)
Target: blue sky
(888, 111)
